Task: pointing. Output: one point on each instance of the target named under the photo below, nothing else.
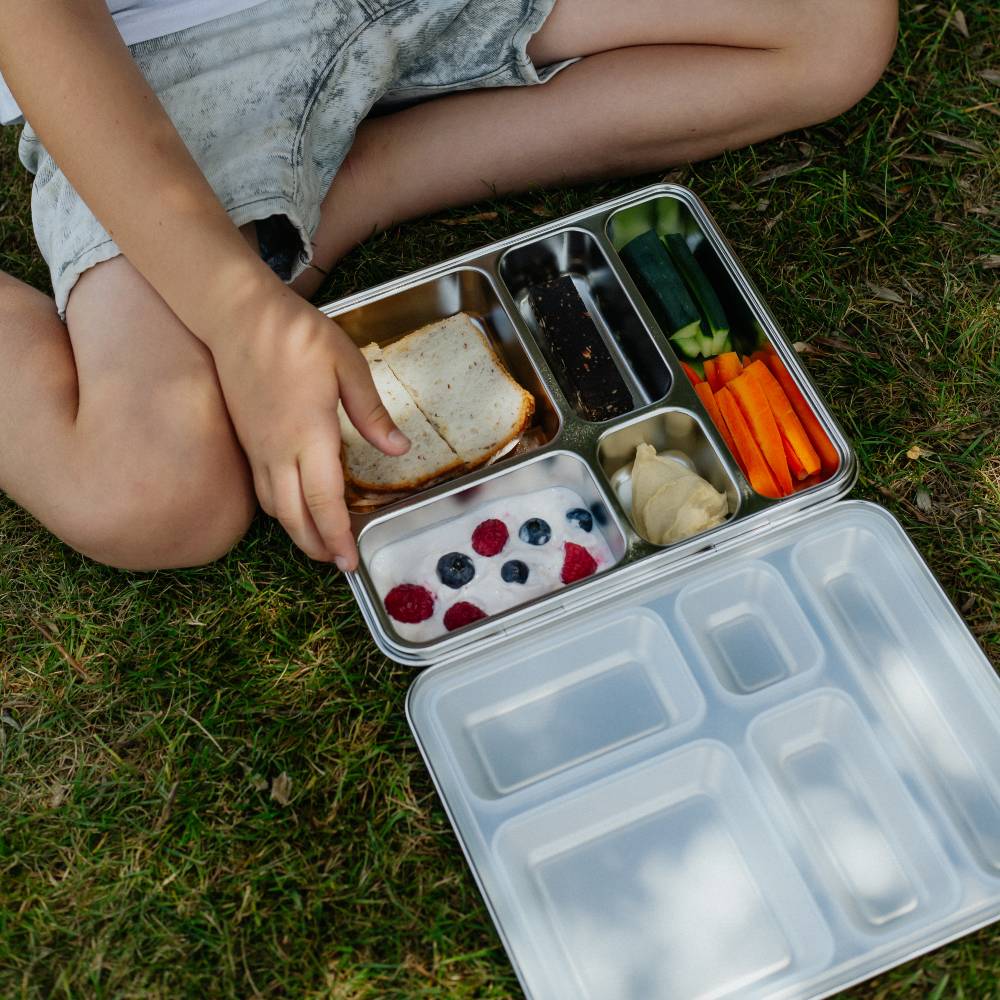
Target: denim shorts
(268, 100)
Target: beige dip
(669, 501)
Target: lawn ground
(207, 784)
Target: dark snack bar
(578, 356)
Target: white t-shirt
(140, 20)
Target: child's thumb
(365, 410)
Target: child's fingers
(262, 487)
(291, 510)
(364, 407)
(323, 493)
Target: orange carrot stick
(795, 467)
(728, 366)
(693, 377)
(750, 458)
(788, 423)
(707, 398)
(829, 460)
(712, 374)
(755, 408)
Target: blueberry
(455, 570)
(582, 518)
(600, 513)
(535, 531)
(514, 571)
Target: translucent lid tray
(771, 775)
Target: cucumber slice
(650, 267)
(703, 293)
(745, 336)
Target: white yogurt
(414, 560)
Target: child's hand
(282, 375)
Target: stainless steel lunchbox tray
(761, 763)
(491, 284)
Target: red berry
(461, 614)
(409, 603)
(577, 563)
(490, 537)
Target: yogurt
(414, 560)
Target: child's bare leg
(661, 82)
(116, 436)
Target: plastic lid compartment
(778, 775)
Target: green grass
(145, 718)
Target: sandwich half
(456, 379)
(429, 457)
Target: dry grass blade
(837, 345)
(74, 663)
(886, 294)
(910, 507)
(958, 20)
(991, 76)
(956, 140)
(467, 219)
(780, 171)
(281, 789)
(167, 807)
(991, 261)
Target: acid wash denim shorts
(268, 100)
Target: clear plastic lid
(773, 774)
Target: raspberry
(409, 603)
(461, 614)
(577, 563)
(490, 537)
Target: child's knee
(847, 53)
(153, 512)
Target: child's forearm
(82, 93)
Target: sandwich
(447, 390)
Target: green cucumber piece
(702, 292)
(663, 215)
(745, 336)
(650, 267)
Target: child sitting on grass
(192, 187)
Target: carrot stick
(829, 460)
(788, 423)
(755, 408)
(750, 458)
(712, 374)
(704, 391)
(728, 366)
(795, 467)
(692, 375)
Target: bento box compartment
(614, 683)
(656, 883)
(853, 816)
(903, 655)
(600, 352)
(749, 628)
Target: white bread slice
(462, 387)
(429, 456)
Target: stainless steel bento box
(763, 762)
(491, 284)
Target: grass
(149, 846)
